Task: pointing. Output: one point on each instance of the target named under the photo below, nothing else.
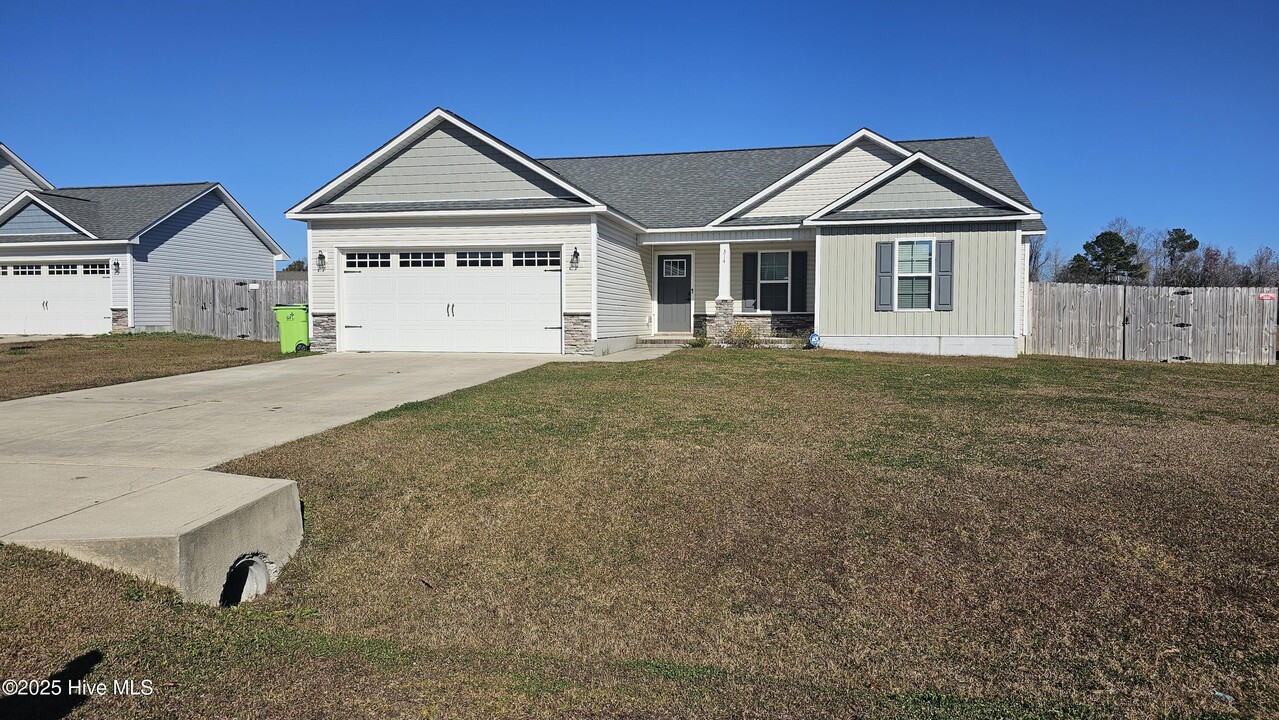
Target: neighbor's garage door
(55, 299)
(484, 300)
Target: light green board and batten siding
(859, 163)
(921, 188)
(985, 290)
(448, 163)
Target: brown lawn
(737, 534)
(52, 366)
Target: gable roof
(24, 168)
(407, 138)
(693, 189)
(122, 212)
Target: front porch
(705, 288)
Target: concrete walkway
(116, 475)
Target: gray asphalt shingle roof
(120, 212)
(692, 189)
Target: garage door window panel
(479, 258)
(421, 259)
(535, 258)
(94, 269)
(62, 269)
(368, 260)
(26, 269)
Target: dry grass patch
(766, 533)
(53, 366)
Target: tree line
(1127, 254)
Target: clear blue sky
(1160, 112)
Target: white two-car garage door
(484, 300)
(55, 299)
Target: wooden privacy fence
(230, 308)
(1233, 325)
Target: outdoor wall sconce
(319, 261)
(115, 266)
(572, 262)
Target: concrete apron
(114, 476)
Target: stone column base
(324, 332)
(577, 334)
(119, 320)
(718, 327)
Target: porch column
(724, 300)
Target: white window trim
(931, 274)
(680, 260)
(760, 282)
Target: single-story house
(87, 260)
(446, 238)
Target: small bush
(698, 341)
(740, 336)
(799, 341)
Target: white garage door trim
(415, 298)
(64, 297)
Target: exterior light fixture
(572, 263)
(115, 266)
(319, 261)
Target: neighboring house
(447, 238)
(88, 260)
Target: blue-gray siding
(204, 238)
(34, 220)
(12, 182)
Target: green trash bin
(295, 333)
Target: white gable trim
(24, 168)
(807, 168)
(925, 220)
(900, 168)
(398, 143)
(10, 209)
(235, 207)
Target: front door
(674, 293)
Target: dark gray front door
(675, 293)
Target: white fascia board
(738, 241)
(15, 204)
(915, 221)
(808, 167)
(624, 221)
(919, 158)
(428, 214)
(429, 120)
(724, 228)
(69, 244)
(24, 168)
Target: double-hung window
(914, 274)
(774, 281)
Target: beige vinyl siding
(921, 188)
(448, 163)
(623, 300)
(330, 235)
(12, 182)
(706, 258)
(823, 186)
(985, 294)
(204, 238)
(17, 255)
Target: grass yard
(42, 367)
(736, 534)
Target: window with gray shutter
(945, 276)
(883, 277)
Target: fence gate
(1235, 325)
(230, 308)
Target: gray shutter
(883, 277)
(750, 275)
(799, 281)
(945, 275)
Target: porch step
(663, 340)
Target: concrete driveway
(115, 475)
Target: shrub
(799, 341)
(698, 341)
(740, 336)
